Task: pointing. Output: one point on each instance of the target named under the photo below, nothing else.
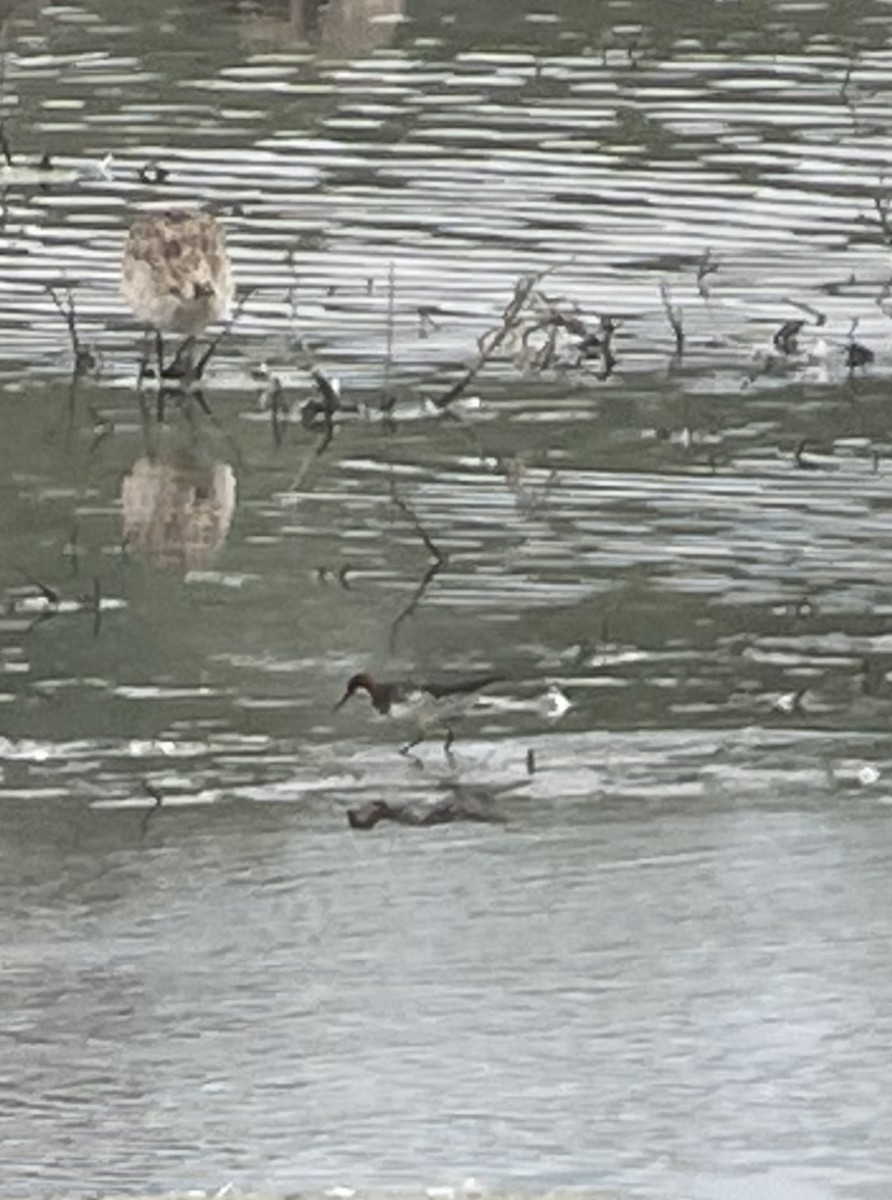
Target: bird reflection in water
(340, 28)
(178, 507)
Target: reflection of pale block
(341, 27)
(178, 515)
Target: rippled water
(661, 969)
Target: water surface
(662, 972)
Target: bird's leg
(410, 746)
(181, 367)
(205, 357)
(202, 401)
(406, 751)
(159, 371)
(159, 355)
(144, 360)
(447, 746)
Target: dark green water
(665, 974)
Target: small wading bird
(431, 704)
(177, 279)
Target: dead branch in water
(49, 595)
(272, 397)
(326, 405)
(53, 604)
(818, 317)
(556, 317)
(846, 79)
(430, 545)
(786, 337)
(857, 354)
(881, 204)
(387, 398)
(417, 596)
(707, 266)
(674, 316)
(84, 358)
(147, 816)
(97, 606)
(490, 343)
(439, 560)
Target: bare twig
(491, 342)
(844, 85)
(674, 316)
(607, 327)
(272, 396)
(388, 342)
(881, 204)
(103, 428)
(819, 317)
(23, 604)
(417, 596)
(426, 323)
(84, 359)
(97, 605)
(857, 354)
(430, 545)
(147, 816)
(707, 266)
(556, 317)
(439, 557)
(328, 390)
(52, 597)
(786, 337)
(326, 406)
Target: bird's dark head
(357, 683)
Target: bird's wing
(460, 686)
